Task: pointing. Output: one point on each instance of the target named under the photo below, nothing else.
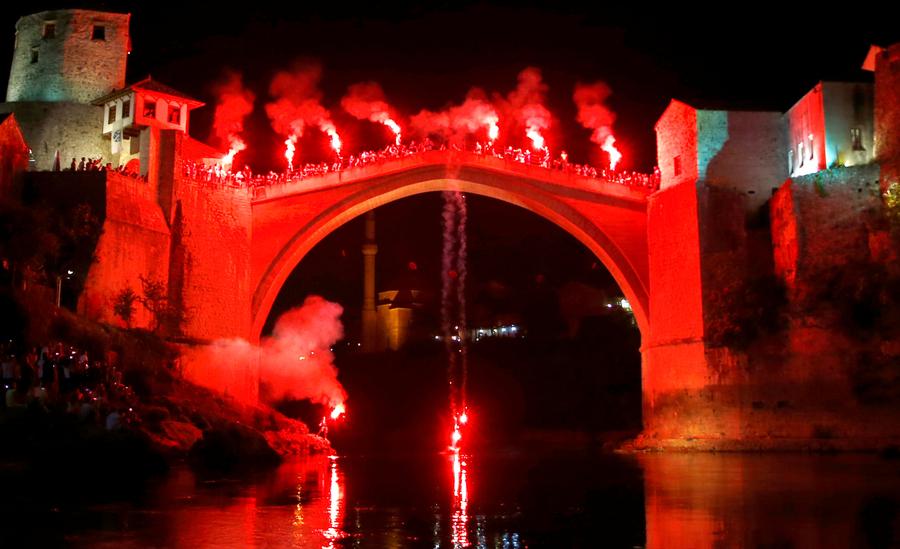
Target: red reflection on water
(459, 521)
(318, 515)
(335, 509)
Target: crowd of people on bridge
(245, 178)
(63, 378)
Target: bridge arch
(612, 226)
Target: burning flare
(595, 115)
(338, 410)
(366, 101)
(537, 140)
(609, 145)
(290, 145)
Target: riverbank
(104, 400)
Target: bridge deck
(627, 186)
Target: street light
(59, 279)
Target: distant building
(63, 60)
(754, 152)
(832, 125)
(67, 90)
(397, 311)
(131, 114)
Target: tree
(156, 300)
(123, 306)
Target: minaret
(369, 315)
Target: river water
(572, 498)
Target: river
(511, 499)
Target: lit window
(676, 166)
(790, 160)
(856, 139)
(98, 32)
(812, 149)
(34, 55)
(174, 114)
(126, 108)
(800, 153)
(111, 114)
(49, 29)
(149, 108)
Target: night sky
(427, 55)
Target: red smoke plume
(233, 104)
(595, 115)
(297, 103)
(295, 362)
(476, 113)
(524, 106)
(366, 101)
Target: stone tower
(63, 60)
(68, 55)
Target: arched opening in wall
(553, 346)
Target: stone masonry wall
(70, 66)
(134, 244)
(71, 128)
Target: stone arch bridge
(224, 253)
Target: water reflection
(509, 501)
(459, 523)
(709, 500)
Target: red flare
(336, 143)
(609, 145)
(338, 410)
(237, 145)
(537, 140)
(290, 145)
(389, 122)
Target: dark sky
(429, 54)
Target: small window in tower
(111, 114)
(790, 160)
(34, 55)
(149, 108)
(676, 166)
(49, 29)
(800, 156)
(126, 108)
(856, 138)
(174, 114)
(812, 150)
(98, 32)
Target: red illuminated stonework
(727, 363)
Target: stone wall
(676, 143)
(744, 152)
(134, 244)
(823, 221)
(210, 261)
(887, 114)
(70, 66)
(73, 129)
